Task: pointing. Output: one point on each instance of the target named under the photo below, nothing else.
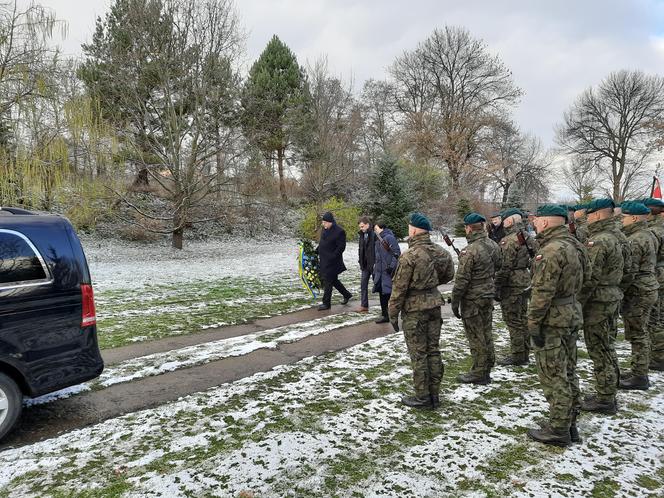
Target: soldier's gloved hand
(455, 308)
(395, 324)
(537, 337)
(497, 297)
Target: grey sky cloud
(554, 48)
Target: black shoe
(417, 402)
(658, 366)
(324, 307)
(548, 435)
(574, 434)
(514, 360)
(471, 378)
(346, 299)
(599, 406)
(383, 319)
(635, 382)
(435, 401)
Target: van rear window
(19, 263)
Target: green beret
(634, 207)
(650, 201)
(599, 204)
(570, 207)
(418, 220)
(552, 210)
(511, 212)
(579, 207)
(472, 218)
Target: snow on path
(199, 354)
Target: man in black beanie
(330, 251)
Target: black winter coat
(330, 251)
(366, 250)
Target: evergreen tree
(463, 208)
(515, 197)
(275, 100)
(389, 196)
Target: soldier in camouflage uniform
(656, 323)
(641, 294)
(600, 299)
(559, 271)
(512, 285)
(422, 268)
(580, 230)
(473, 293)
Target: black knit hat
(328, 217)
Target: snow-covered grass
(333, 426)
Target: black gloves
(455, 308)
(395, 324)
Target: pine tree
(274, 100)
(390, 198)
(463, 208)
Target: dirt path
(44, 421)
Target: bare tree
(581, 177)
(611, 126)
(449, 89)
(511, 159)
(377, 105)
(333, 146)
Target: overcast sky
(555, 48)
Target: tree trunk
(280, 166)
(178, 226)
(506, 193)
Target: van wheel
(11, 401)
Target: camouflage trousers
(421, 330)
(636, 313)
(556, 368)
(656, 328)
(515, 315)
(598, 332)
(476, 317)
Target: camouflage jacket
(643, 244)
(616, 230)
(422, 268)
(560, 270)
(606, 261)
(656, 226)
(582, 230)
(513, 277)
(477, 268)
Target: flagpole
(652, 188)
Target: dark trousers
(327, 290)
(384, 299)
(364, 288)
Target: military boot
(474, 378)
(574, 434)
(657, 365)
(635, 382)
(514, 360)
(592, 404)
(435, 401)
(417, 402)
(549, 435)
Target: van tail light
(89, 315)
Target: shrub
(344, 213)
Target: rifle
(523, 241)
(572, 228)
(450, 243)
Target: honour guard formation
(587, 267)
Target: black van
(48, 332)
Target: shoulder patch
(590, 243)
(463, 252)
(539, 257)
(503, 242)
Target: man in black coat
(366, 254)
(330, 251)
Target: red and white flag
(656, 188)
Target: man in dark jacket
(386, 260)
(366, 253)
(330, 251)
